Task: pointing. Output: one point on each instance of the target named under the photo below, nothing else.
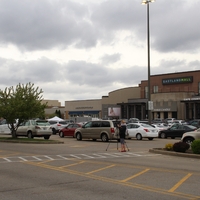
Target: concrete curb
(173, 153)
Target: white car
(139, 131)
(189, 137)
(58, 125)
(160, 127)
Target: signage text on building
(188, 79)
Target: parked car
(57, 125)
(4, 129)
(141, 130)
(189, 137)
(195, 122)
(35, 128)
(180, 121)
(101, 129)
(69, 130)
(133, 120)
(176, 130)
(160, 127)
(157, 120)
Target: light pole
(146, 2)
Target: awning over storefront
(85, 112)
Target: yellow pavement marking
(100, 169)
(72, 164)
(138, 174)
(114, 181)
(180, 182)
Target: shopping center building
(174, 95)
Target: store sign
(162, 109)
(192, 99)
(188, 79)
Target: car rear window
(63, 122)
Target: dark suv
(101, 129)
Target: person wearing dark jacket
(122, 135)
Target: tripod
(117, 140)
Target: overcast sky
(84, 49)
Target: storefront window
(155, 89)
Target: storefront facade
(174, 95)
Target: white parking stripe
(49, 157)
(36, 158)
(7, 159)
(23, 159)
(77, 156)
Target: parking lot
(96, 170)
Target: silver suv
(102, 129)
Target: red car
(69, 130)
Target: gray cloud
(38, 26)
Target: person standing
(122, 135)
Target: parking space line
(7, 159)
(36, 158)
(114, 181)
(63, 157)
(23, 159)
(87, 156)
(49, 157)
(100, 169)
(138, 174)
(70, 165)
(180, 182)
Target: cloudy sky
(84, 49)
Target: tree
(21, 103)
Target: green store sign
(178, 80)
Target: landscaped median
(164, 151)
(29, 141)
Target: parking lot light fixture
(146, 2)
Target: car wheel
(54, 131)
(150, 138)
(61, 134)
(29, 135)
(139, 136)
(104, 137)
(163, 135)
(46, 137)
(78, 136)
(188, 140)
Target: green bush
(169, 147)
(195, 146)
(181, 147)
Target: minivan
(102, 129)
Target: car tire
(138, 136)
(150, 138)
(46, 137)
(104, 137)
(61, 134)
(29, 135)
(188, 140)
(78, 136)
(163, 135)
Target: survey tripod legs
(126, 146)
